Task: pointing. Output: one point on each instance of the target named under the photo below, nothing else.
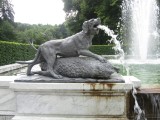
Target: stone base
(62, 118)
(114, 78)
(78, 101)
(7, 98)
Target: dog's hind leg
(50, 57)
(50, 64)
(29, 69)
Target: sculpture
(70, 47)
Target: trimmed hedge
(11, 52)
(102, 49)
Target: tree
(78, 11)
(39, 33)
(6, 10)
(7, 32)
(6, 21)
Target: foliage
(11, 52)
(39, 33)
(6, 31)
(6, 10)
(108, 49)
(21, 32)
(80, 10)
(102, 49)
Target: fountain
(140, 26)
(105, 96)
(140, 21)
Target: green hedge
(11, 52)
(103, 49)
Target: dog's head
(90, 26)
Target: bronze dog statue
(72, 46)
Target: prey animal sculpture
(72, 46)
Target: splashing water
(117, 46)
(114, 40)
(140, 114)
(140, 21)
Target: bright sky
(39, 11)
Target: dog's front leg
(90, 54)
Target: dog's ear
(85, 26)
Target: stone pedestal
(7, 97)
(67, 101)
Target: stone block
(7, 97)
(78, 101)
(61, 118)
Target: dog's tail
(31, 43)
(31, 61)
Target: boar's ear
(85, 27)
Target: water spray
(117, 46)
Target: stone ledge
(5, 80)
(19, 86)
(135, 81)
(29, 86)
(7, 113)
(61, 118)
(114, 78)
(10, 67)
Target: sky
(39, 11)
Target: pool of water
(147, 71)
(20, 71)
(148, 74)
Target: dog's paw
(58, 76)
(102, 59)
